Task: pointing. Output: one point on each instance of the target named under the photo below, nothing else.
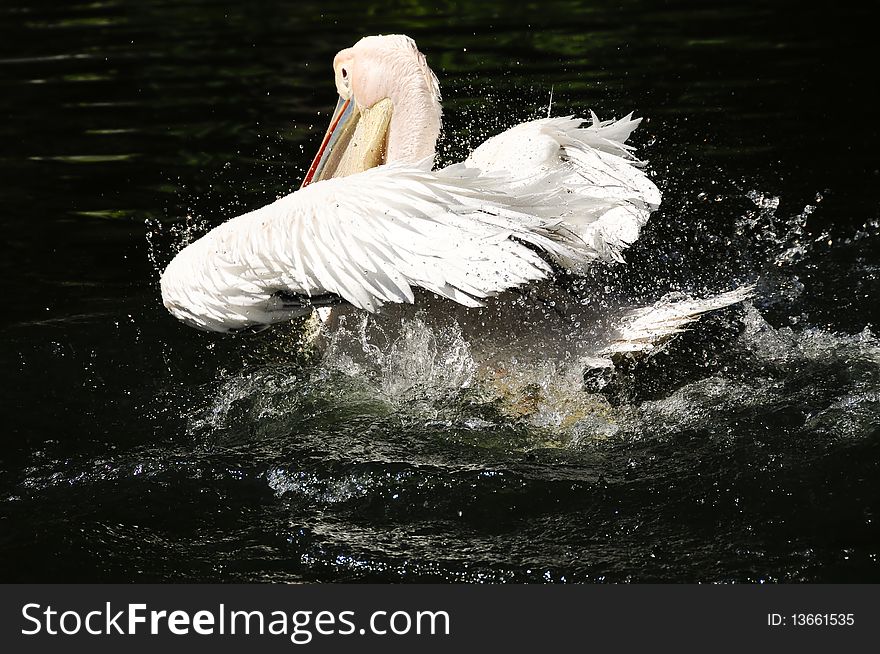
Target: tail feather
(646, 328)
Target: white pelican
(373, 221)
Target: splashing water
(561, 380)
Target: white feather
(547, 187)
(643, 329)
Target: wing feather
(469, 231)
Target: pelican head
(388, 109)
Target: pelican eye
(344, 74)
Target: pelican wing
(610, 196)
(369, 239)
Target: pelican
(375, 224)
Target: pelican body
(373, 221)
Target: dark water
(134, 448)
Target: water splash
(431, 371)
(411, 362)
(770, 370)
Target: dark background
(133, 448)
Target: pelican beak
(355, 141)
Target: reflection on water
(136, 449)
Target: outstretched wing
(369, 238)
